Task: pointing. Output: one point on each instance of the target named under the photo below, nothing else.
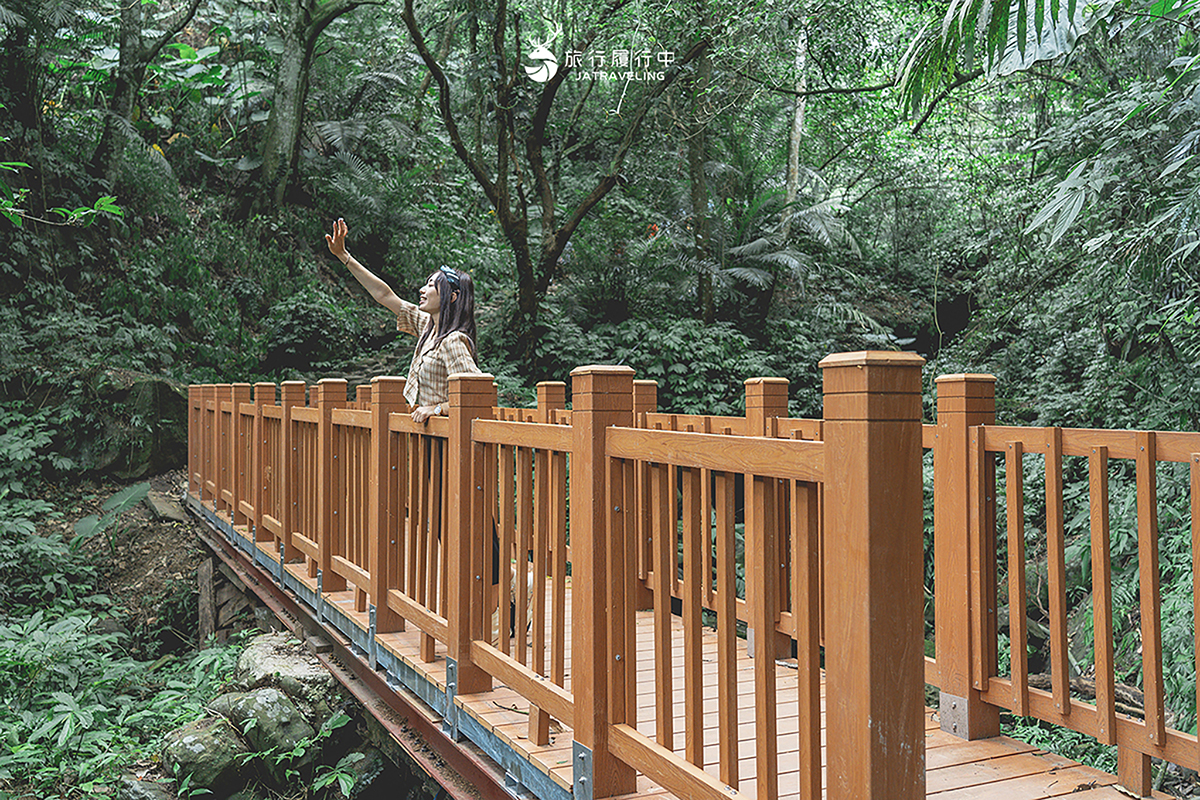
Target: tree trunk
(135, 58)
(130, 71)
(792, 187)
(281, 145)
(697, 158)
(22, 82)
(301, 23)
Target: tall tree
(136, 55)
(526, 158)
(697, 163)
(299, 24)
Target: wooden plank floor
(989, 769)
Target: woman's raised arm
(377, 288)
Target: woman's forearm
(375, 286)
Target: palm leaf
(10, 18)
(343, 134)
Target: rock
(277, 659)
(209, 751)
(165, 507)
(133, 789)
(272, 725)
(129, 448)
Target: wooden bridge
(611, 601)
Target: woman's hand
(422, 413)
(337, 242)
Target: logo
(547, 66)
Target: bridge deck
(1000, 768)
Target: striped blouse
(429, 374)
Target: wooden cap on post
(551, 396)
(291, 393)
(645, 398)
(766, 398)
(875, 669)
(264, 394)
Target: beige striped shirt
(429, 374)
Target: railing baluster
(1056, 567)
(727, 638)
(806, 603)
(1102, 621)
(1148, 579)
(661, 502)
(693, 660)
(1018, 627)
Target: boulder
(277, 659)
(134, 789)
(273, 726)
(209, 751)
(145, 424)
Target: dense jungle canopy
(706, 191)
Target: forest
(705, 191)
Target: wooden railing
(578, 516)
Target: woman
(443, 321)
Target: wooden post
(241, 437)
(195, 410)
(766, 399)
(874, 668)
(205, 433)
(291, 394)
(387, 395)
(551, 397)
(471, 397)
(264, 395)
(331, 393)
(602, 396)
(962, 402)
(645, 400)
(220, 462)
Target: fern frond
(362, 170)
(10, 18)
(758, 278)
(342, 134)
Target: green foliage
(1064, 741)
(76, 712)
(700, 369)
(34, 568)
(112, 509)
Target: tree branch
(535, 141)
(961, 80)
(172, 27)
(563, 234)
(879, 87)
(439, 77)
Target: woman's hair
(456, 315)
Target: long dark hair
(453, 315)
